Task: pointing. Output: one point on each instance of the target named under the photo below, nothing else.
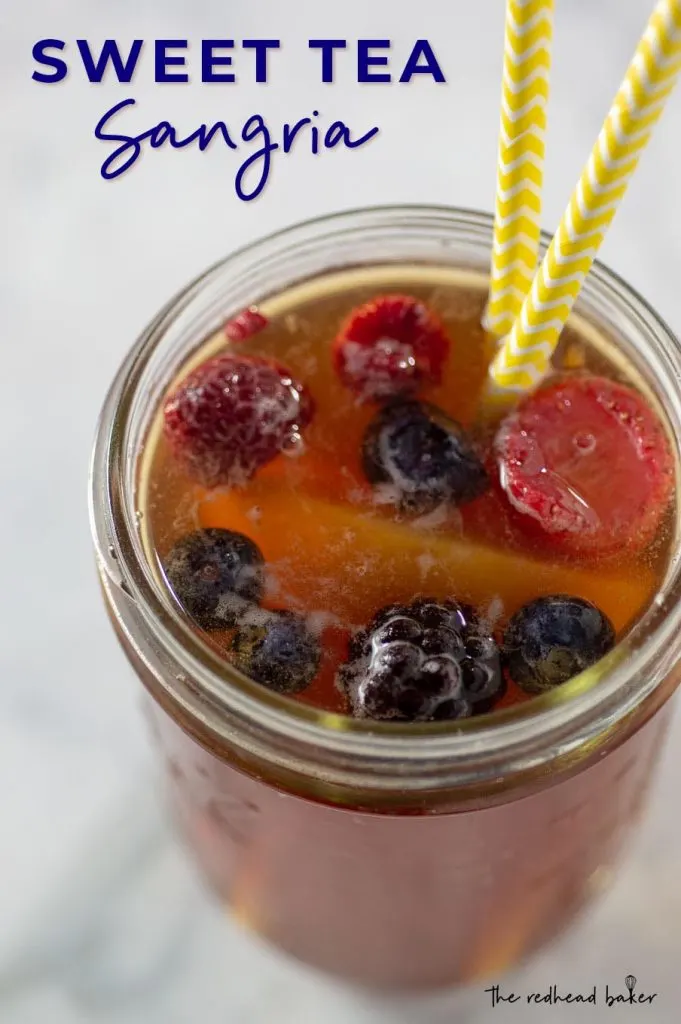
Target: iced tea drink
(404, 658)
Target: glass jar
(394, 855)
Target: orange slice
(334, 558)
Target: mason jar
(395, 855)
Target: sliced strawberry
(390, 346)
(232, 415)
(245, 324)
(586, 464)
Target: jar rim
(274, 727)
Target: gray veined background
(101, 919)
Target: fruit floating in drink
(332, 515)
(408, 654)
(406, 660)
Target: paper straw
(524, 95)
(525, 354)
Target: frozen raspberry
(425, 457)
(233, 415)
(426, 661)
(552, 639)
(586, 465)
(245, 324)
(390, 346)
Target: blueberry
(426, 457)
(425, 661)
(277, 649)
(215, 574)
(552, 639)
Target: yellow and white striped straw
(520, 163)
(524, 357)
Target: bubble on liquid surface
(295, 445)
(584, 442)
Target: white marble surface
(101, 918)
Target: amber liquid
(335, 549)
(393, 892)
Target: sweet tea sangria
(418, 720)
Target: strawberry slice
(390, 346)
(586, 465)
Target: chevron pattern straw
(525, 355)
(524, 95)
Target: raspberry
(586, 466)
(424, 456)
(245, 324)
(552, 639)
(426, 661)
(233, 415)
(390, 346)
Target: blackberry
(424, 455)
(552, 639)
(425, 661)
(215, 575)
(277, 649)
